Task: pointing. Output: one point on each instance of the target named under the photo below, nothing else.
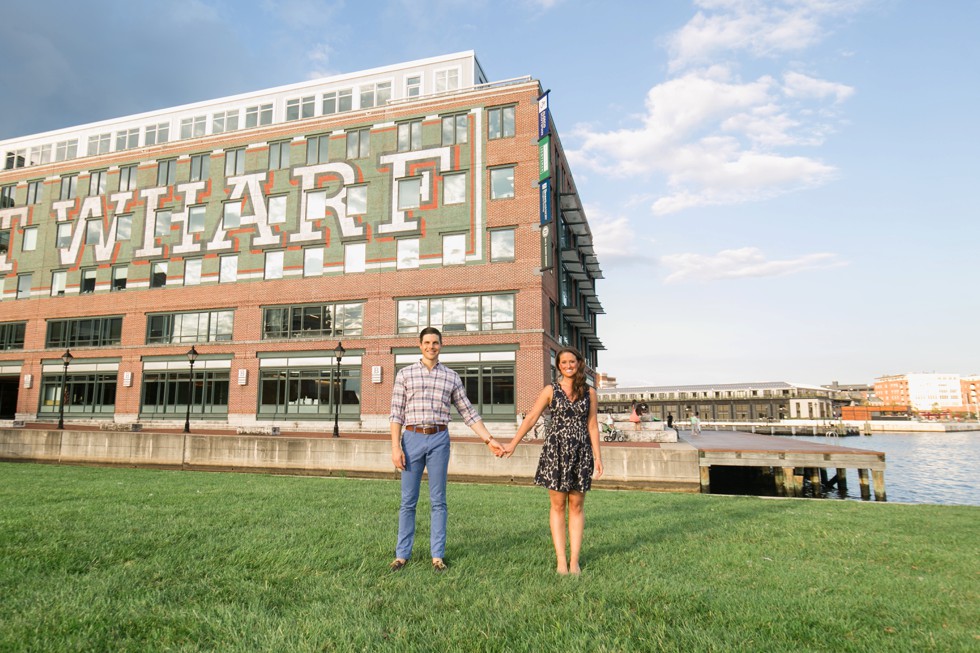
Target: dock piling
(865, 486)
(878, 477)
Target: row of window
(355, 260)
(315, 321)
(409, 189)
(500, 124)
(288, 392)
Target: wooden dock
(792, 461)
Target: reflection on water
(921, 467)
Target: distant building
(605, 380)
(923, 392)
(970, 393)
(859, 393)
(728, 402)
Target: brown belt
(426, 429)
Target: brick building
(263, 229)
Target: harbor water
(930, 467)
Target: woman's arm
(542, 402)
(594, 431)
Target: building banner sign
(544, 189)
(544, 127)
(544, 158)
(547, 246)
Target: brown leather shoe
(439, 565)
(398, 564)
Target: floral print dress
(566, 459)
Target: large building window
(274, 262)
(158, 274)
(463, 313)
(409, 193)
(167, 392)
(413, 86)
(447, 80)
(317, 149)
(192, 271)
(84, 332)
(59, 280)
(29, 242)
(88, 280)
(157, 134)
(355, 257)
(454, 249)
(309, 392)
(410, 136)
(313, 321)
(120, 275)
(207, 326)
(407, 253)
(502, 245)
(4, 241)
(127, 139)
(93, 393)
(200, 167)
(66, 150)
(375, 95)
(7, 196)
(500, 122)
(356, 200)
(358, 143)
(99, 144)
(96, 182)
(127, 178)
(224, 121)
(277, 209)
(502, 183)
(258, 115)
(62, 237)
(279, 155)
(454, 188)
(193, 127)
(166, 172)
(195, 218)
(490, 388)
(337, 101)
(454, 129)
(34, 189)
(313, 262)
(69, 186)
(24, 282)
(228, 268)
(299, 108)
(235, 162)
(12, 335)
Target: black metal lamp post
(66, 357)
(339, 353)
(191, 357)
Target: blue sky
(780, 190)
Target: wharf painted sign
(316, 198)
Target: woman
(635, 415)
(571, 450)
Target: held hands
(495, 448)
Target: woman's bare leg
(576, 526)
(557, 521)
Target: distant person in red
(635, 416)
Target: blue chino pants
(423, 452)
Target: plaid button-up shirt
(423, 396)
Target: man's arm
(398, 400)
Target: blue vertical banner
(544, 185)
(545, 191)
(544, 116)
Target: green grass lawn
(99, 559)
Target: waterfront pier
(688, 464)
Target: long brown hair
(578, 381)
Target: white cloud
(615, 240)
(718, 139)
(741, 263)
(758, 27)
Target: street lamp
(66, 357)
(191, 357)
(339, 353)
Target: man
(420, 401)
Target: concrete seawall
(662, 466)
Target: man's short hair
(428, 330)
